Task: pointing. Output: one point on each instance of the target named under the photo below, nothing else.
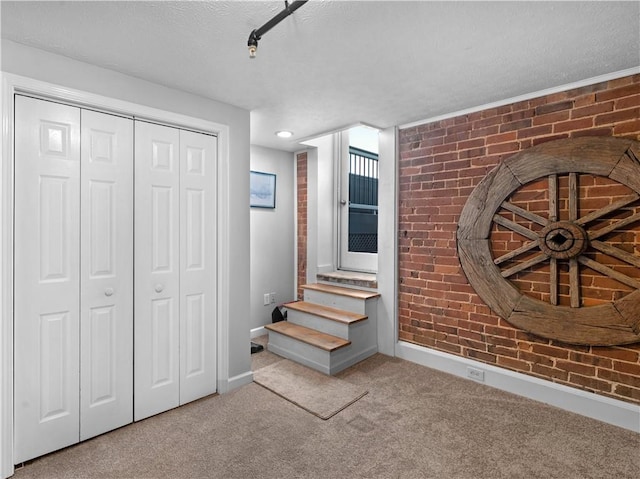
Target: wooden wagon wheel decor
(533, 217)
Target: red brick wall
(301, 161)
(440, 164)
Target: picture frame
(262, 190)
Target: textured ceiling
(335, 63)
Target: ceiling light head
(284, 134)
(252, 43)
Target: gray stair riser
(300, 352)
(364, 343)
(371, 311)
(363, 336)
(318, 323)
(332, 300)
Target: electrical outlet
(273, 298)
(266, 300)
(476, 374)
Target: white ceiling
(335, 63)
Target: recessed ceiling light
(284, 134)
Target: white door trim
(12, 84)
(347, 260)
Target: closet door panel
(197, 265)
(157, 269)
(46, 283)
(106, 312)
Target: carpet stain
(362, 424)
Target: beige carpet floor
(413, 423)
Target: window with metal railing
(363, 201)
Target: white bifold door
(175, 268)
(73, 286)
(93, 350)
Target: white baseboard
(257, 332)
(608, 410)
(235, 382)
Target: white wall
(387, 242)
(321, 204)
(272, 237)
(235, 362)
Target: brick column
(301, 194)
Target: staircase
(332, 329)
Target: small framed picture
(262, 188)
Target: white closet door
(47, 270)
(197, 265)
(106, 306)
(157, 269)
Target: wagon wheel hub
(563, 240)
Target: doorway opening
(358, 232)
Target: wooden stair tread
(310, 336)
(339, 290)
(333, 314)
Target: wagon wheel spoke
(595, 234)
(553, 197)
(533, 217)
(516, 252)
(616, 253)
(612, 250)
(553, 281)
(513, 226)
(574, 267)
(627, 200)
(553, 216)
(573, 197)
(539, 258)
(524, 213)
(600, 268)
(574, 283)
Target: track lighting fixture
(256, 34)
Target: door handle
(343, 202)
(108, 292)
(159, 287)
